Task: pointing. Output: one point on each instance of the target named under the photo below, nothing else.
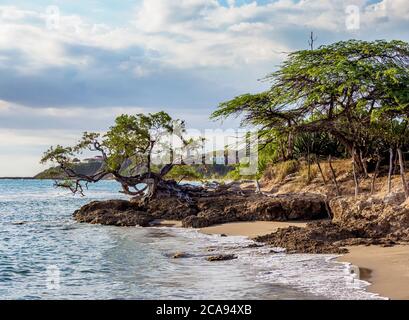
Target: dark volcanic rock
(302, 240)
(255, 207)
(195, 222)
(179, 255)
(170, 208)
(113, 212)
(206, 210)
(221, 257)
(355, 222)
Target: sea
(45, 254)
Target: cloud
(63, 72)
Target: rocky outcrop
(362, 221)
(375, 217)
(221, 257)
(315, 238)
(253, 207)
(205, 210)
(180, 255)
(170, 208)
(356, 221)
(113, 212)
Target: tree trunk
(375, 175)
(258, 189)
(363, 164)
(290, 146)
(309, 166)
(320, 169)
(390, 170)
(402, 172)
(334, 177)
(355, 174)
(396, 163)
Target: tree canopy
(354, 93)
(341, 89)
(127, 151)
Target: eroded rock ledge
(205, 211)
(362, 221)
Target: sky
(68, 66)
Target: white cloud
(99, 116)
(186, 33)
(218, 46)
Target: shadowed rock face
(231, 208)
(205, 211)
(113, 212)
(221, 257)
(362, 221)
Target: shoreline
(386, 269)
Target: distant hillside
(82, 168)
(210, 171)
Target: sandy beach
(250, 229)
(389, 269)
(386, 268)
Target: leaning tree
(138, 151)
(341, 89)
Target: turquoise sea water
(45, 254)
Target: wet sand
(388, 269)
(167, 223)
(250, 229)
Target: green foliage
(130, 140)
(317, 144)
(185, 172)
(354, 93)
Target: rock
(195, 222)
(301, 240)
(179, 255)
(221, 257)
(170, 208)
(223, 235)
(113, 212)
(255, 245)
(375, 218)
(395, 198)
(356, 221)
(255, 207)
(206, 210)
(18, 223)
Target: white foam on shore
(315, 274)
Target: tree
(342, 89)
(130, 150)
